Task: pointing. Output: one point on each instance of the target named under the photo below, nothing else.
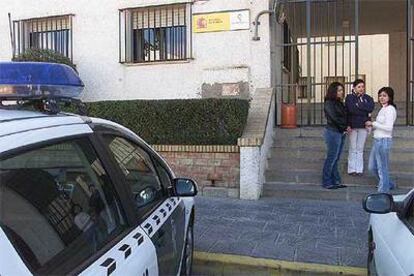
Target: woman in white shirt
(383, 126)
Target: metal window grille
(410, 63)
(52, 33)
(151, 34)
(320, 38)
(287, 51)
(303, 88)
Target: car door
(133, 255)
(407, 246)
(63, 215)
(177, 220)
(394, 241)
(156, 212)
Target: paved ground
(217, 269)
(314, 231)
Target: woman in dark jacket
(359, 106)
(334, 135)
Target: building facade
(176, 49)
(148, 49)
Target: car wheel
(187, 263)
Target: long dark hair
(390, 92)
(332, 93)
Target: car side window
(138, 169)
(165, 177)
(58, 206)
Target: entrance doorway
(342, 40)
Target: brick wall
(204, 164)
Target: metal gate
(320, 45)
(410, 62)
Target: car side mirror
(381, 203)
(185, 187)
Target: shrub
(183, 122)
(44, 55)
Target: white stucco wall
(219, 57)
(253, 163)
(250, 186)
(254, 157)
(267, 142)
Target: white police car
(83, 195)
(391, 234)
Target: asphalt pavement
(307, 231)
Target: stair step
(281, 164)
(313, 154)
(309, 191)
(301, 176)
(305, 141)
(279, 133)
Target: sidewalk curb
(278, 265)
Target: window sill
(128, 64)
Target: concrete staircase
(296, 161)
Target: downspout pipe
(11, 36)
(256, 23)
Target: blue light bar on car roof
(25, 80)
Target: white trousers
(357, 139)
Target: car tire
(187, 262)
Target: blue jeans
(379, 163)
(334, 143)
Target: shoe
(359, 174)
(339, 186)
(330, 187)
(352, 173)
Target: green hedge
(44, 55)
(168, 122)
(178, 122)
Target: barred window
(155, 34)
(52, 33)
